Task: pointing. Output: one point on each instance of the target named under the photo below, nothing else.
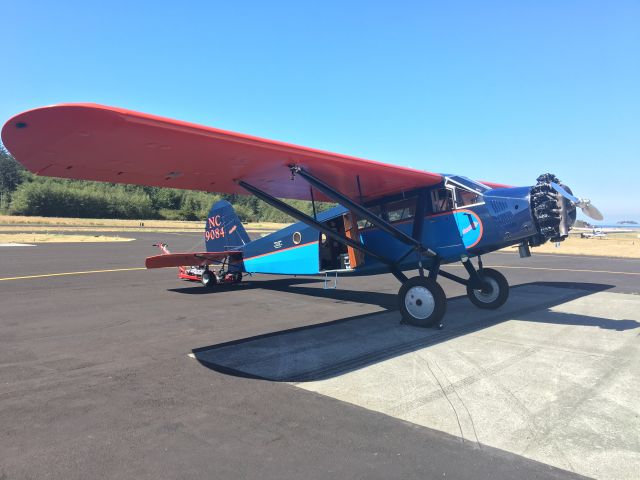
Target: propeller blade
(591, 211)
(564, 193)
(585, 204)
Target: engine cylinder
(552, 213)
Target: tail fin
(224, 230)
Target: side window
(466, 197)
(402, 210)
(442, 200)
(391, 212)
(362, 223)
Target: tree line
(23, 193)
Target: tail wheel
(208, 279)
(494, 294)
(422, 302)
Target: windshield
(470, 184)
(466, 192)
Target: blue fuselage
(493, 219)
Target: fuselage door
(333, 254)
(467, 219)
(351, 231)
(441, 230)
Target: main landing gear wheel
(208, 279)
(495, 293)
(422, 302)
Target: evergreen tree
(23, 193)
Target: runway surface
(97, 381)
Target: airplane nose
(552, 213)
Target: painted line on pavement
(26, 277)
(568, 255)
(45, 275)
(557, 269)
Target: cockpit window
(466, 197)
(442, 200)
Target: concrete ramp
(554, 375)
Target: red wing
(94, 142)
(182, 259)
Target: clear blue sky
(500, 91)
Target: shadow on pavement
(195, 288)
(385, 300)
(330, 349)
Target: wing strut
(362, 211)
(303, 217)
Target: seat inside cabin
(335, 255)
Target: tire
(494, 298)
(422, 302)
(208, 279)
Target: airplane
(388, 218)
(599, 234)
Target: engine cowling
(553, 215)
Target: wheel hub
(419, 302)
(206, 278)
(490, 293)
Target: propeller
(584, 203)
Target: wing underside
(93, 142)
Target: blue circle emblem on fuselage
(469, 226)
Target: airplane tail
(164, 248)
(223, 230)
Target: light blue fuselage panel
(297, 260)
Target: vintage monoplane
(388, 218)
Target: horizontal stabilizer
(188, 259)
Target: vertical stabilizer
(224, 230)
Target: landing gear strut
(423, 303)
